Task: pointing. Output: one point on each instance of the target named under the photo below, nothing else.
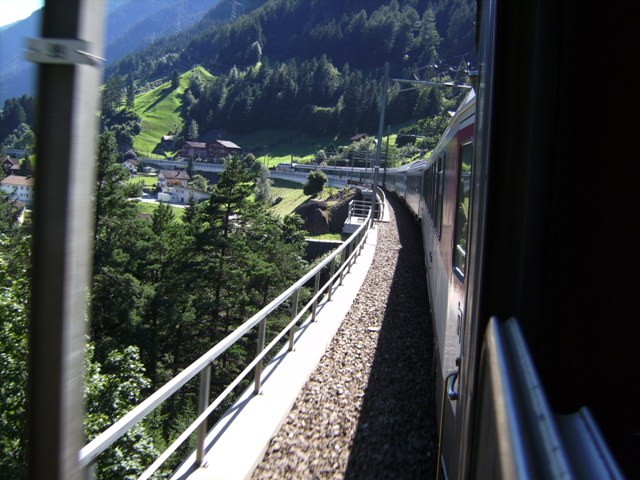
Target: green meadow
(159, 110)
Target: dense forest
(315, 66)
(164, 289)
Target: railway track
(368, 410)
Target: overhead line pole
(68, 101)
(383, 107)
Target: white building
(179, 194)
(174, 187)
(172, 178)
(19, 188)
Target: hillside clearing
(293, 196)
(160, 110)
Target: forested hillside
(315, 65)
(309, 65)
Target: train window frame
(465, 146)
(433, 192)
(426, 182)
(440, 167)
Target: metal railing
(359, 209)
(339, 264)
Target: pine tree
(262, 184)
(193, 133)
(175, 79)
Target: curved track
(368, 410)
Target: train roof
(417, 164)
(467, 104)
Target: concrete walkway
(238, 441)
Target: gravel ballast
(368, 409)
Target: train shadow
(396, 432)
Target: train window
(432, 179)
(439, 194)
(426, 183)
(462, 210)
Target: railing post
(294, 312)
(262, 333)
(342, 267)
(203, 403)
(316, 287)
(333, 269)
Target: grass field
(159, 110)
(275, 146)
(293, 196)
(149, 208)
(147, 180)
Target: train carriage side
(390, 179)
(444, 208)
(546, 172)
(413, 191)
(401, 182)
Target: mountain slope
(316, 65)
(131, 25)
(362, 33)
(160, 110)
(17, 76)
(134, 24)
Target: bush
(315, 182)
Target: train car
(413, 188)
(525, 214)
(400, 186)
(360, 174)
(389, 180)
(546, 173)
(437, 191)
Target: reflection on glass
(462, 210)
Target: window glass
(426, 184)
(460, 235)
(439, 194)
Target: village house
(132, 165)
(168, 142)
(180, 194)
(19, 188)
(172, 178)
(194, 149)
(11, 165)
(174, 187)
(222, 148)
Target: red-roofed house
(174, 187)
(172, 178)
